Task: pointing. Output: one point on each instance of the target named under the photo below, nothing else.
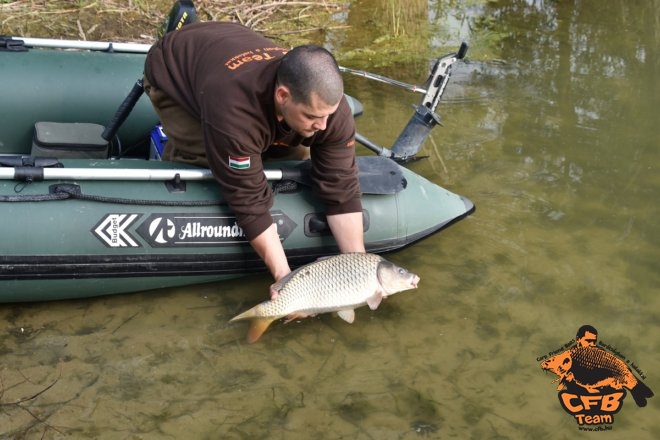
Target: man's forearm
(348, 231)
(268, 246)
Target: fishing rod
(383, 79)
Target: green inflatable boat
(87, 208)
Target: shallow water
(552, 131)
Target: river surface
(551, 128)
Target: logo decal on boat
(177, 230)
(111, 230)
(161, 230)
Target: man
(226, 95)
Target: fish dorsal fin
(257, 328)
(347, 315)
(374, 300)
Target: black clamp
(9, 44)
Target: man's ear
(282, 94)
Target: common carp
(594, 369)
(336, 284)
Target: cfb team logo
(593, 381)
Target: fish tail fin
(640, 392)
(248, 314)
(257, 328)
(258, 323)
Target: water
(551, 128)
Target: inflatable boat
(84, 213)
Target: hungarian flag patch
(239, 163)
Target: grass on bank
(290, 21)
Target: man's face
(304, 119)
(588, 340)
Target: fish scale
(340, 283)
(599, 362)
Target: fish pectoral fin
(347, 315)
(257, 328)
(295, 315)
(374, 301)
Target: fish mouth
(414, 281)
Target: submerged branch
(21, 404)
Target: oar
(183, 12)
(104, 46)
(38, 174)
(378, 175)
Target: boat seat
(77, 140)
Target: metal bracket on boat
(10, 44)
(28, 168)
(176, 185)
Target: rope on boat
(65, 192)
(34, 198)
(285, 186)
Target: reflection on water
(557, 145)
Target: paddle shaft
(85, 45)
(19, 173)
(377, 175)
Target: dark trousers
(185, 142)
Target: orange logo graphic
(255, 55)
(593, 381)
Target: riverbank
(288, 21)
